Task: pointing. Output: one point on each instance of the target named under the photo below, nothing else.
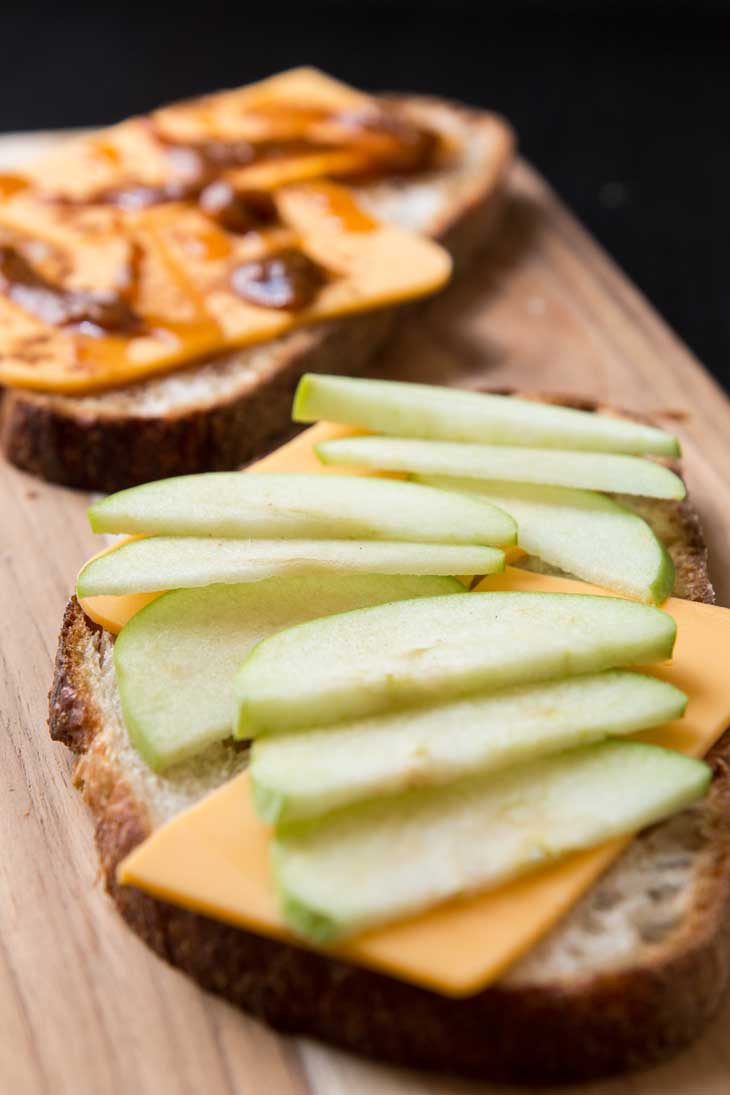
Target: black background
(624, 107)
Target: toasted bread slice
(221, 413)
(628, 977)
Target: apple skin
(599, 471)
(151, 563)
(450, 414)
(175, 660)
(582, 533)
(301, 506)
(393, 657)
(437, 744)
(394, 857)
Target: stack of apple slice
(548, 466)
(223, 527)
(414, 752)
(246, 555)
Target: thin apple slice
(588, 470)
(448, 414)
(434, 745)
(176, 659)
(300, 506)
(391, 858)
(581, 532)
(394, 656)
(172, 562)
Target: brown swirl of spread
(237, 211)
(134, 196)
(287, 280)
(198, 179)
(199, 160)
(391, 142)
(59, 307)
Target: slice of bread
(218, 414)
(629, 976)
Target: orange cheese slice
(333, 164)
(213, 858)
(109, 158)
(261, 110)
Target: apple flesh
(391, 858)
(302, 506)
(394, 656)
(169, 562)
(587, 470)
(582, 533)
(428, 746)
(176, 659)
(448, 414)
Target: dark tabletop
(624, 107)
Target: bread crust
(54, 438)
(568, 1029)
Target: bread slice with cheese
(223, 411)
(629, 976)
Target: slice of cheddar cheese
(108, 158)
(261, 110)
(337, 163)
(214, 857)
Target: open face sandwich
(165, 283)
(630, 963)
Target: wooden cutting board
(85, 1008)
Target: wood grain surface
(85, 1008)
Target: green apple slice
(433, 745)
(448, 414)
(587, 470)
(300, 506)
(390, 657)
(170, 562)
(394, 857)
(176, 659)
(584, 533)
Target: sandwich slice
(325, 155)
(627, 975)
